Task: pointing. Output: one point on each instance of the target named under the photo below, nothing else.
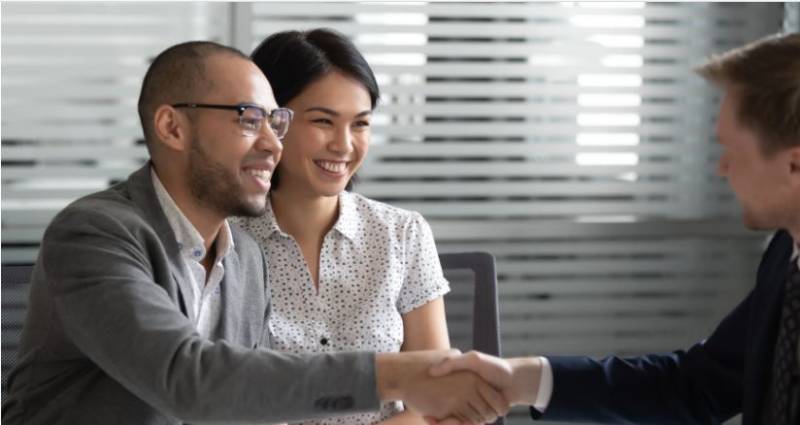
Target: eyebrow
(334, 113)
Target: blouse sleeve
(424, 280)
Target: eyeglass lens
(279, 121)
(252, 118)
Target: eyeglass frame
(240, 108)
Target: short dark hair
(178, 74)
(291, 60)
(765, 75)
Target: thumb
(450, 364)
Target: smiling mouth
(263, 175)
(335, 167)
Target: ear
(171, 128)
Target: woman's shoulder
(249, 223)
(370, 209)
(260, 227)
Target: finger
(474, 409)
(448, 421)
(463, 418)
(469, 415)
(485, 412)
(496, 400)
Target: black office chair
(473, 319)
(16, 285)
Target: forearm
(640, 389)
(113, 311)
(391, 372)
(525, 380)
(405, 418)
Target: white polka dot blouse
(377, 263)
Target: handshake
(450, 388)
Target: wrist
(525, 376)
(388, 376)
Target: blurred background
(571, 140)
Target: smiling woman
(346, 272)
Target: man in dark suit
(749, 364)
(148, 307)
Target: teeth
(261, 174)
(333, 167)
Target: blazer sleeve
(700, 386)
(703, 385)
(98, 268)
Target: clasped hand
(476, 388)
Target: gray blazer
(109, 337)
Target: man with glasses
(147, 307)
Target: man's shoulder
(112, 208)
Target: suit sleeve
(700, 386)
(97, 267)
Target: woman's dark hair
(291, 60)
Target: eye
(323, 121)
(251, 123)
(361, 125)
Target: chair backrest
(15, 287)
(485, 316)
(483, 320)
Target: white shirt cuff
(545, 386)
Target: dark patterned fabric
(785, 381)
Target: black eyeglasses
(251, 116)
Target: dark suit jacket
(724, 375)
(109, 336)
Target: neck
(304, 216)
(795, 232)
(792, 225)
(205, 220)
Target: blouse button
(323, 341)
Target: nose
(342, 141)
(267, 141)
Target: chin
(330, 190)
(752, 222)
(251, 209)
(334, 192)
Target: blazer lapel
(142, 191)
(231, 296)
(765, 330)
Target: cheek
(361, 144)
(307, 141)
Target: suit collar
(142, 193)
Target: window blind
(571, 140)
(71, 79)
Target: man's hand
(459, 397)
(517, 378)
